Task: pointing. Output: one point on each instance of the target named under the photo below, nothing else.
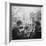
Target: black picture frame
(23, 5)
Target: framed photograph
(24, 22)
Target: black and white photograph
(22, 22)
(25, 21)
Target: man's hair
(19, 22)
